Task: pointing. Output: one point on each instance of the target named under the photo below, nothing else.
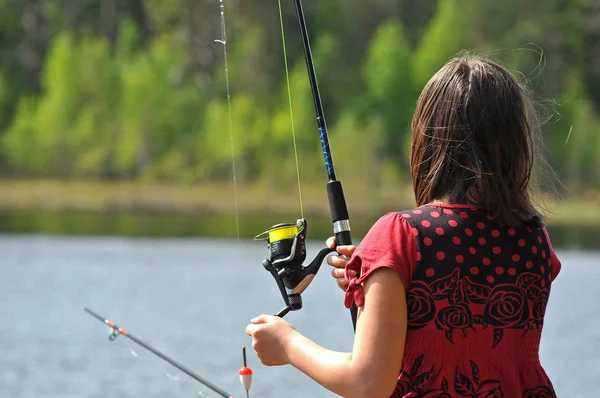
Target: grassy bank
(80, 196)
(201, 199)
(135, 209)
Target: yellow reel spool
(281, 232)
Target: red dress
(476, 298)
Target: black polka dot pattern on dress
(467, 261)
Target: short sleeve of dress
(555, 262)
(389, 243)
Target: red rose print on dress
(410, 384)
(420, 304)
(467, 291)
(458, 296)
(474, 387)
(538, 392)
(454, 317)
(437, 393)
(443, 287)
(475, 292)
(403, 387)
(546, 391)
(506, 307)
(530, 284)
(539, 306)
(489, 389)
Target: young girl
(451, 294)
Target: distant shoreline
(218, 198)
(82, 208)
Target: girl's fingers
(330, 242)
(345, 250)
(263, 318)
(337, 261)
(338, 273)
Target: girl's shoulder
(442, 212)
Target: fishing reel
(287, 252)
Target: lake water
(191, 299)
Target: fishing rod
(116, 331)
(335, 193)
(337, 202)
(287, 242)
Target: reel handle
(315, 265)
(283, 312)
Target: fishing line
(244, 373)
(223, 41)
(173, 377)
(289, 91)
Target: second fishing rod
(245, 373)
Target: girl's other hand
(271, 337)
(339, 263)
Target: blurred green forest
(134, 90)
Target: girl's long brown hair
(472, 141)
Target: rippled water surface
(191, 299)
